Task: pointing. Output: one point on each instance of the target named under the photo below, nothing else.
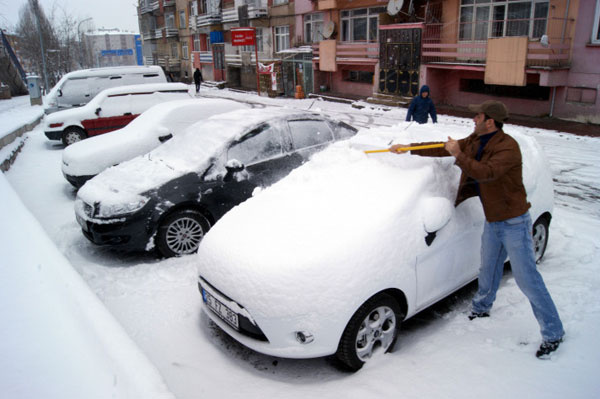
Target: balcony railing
(254, 11)
(169, 62)
(352, 53)
(205, 20)
(168, 3)
(205, 57)
(152, 6)
(441, 43)
(168, 32)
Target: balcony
(165, 32)
(168, 3)
(209, 19)
(352, 53)
(440, 44)
(255, 10)
(149, 7)
(169, 63)
(204, 57)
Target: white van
(110, 110)
(77, 88)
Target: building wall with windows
(110, 47)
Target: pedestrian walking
(421, 106)
(490, 161)
(197, 79)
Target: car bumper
(53, 134)
(125, 233)
(77, 181)
(279, 335)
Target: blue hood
(423, 89)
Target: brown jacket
(499, 174)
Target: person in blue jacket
(421, 106)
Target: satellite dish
(544, 41)
(394, 6)
(328, 29)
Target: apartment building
(538, 56)
(112, 47)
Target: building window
(482, 19)
(531, 91)
(194, 8)
(361, 25)
(596, 30)
(174, 50)
(182, 23)
(359, 76)
(170, 20)
(279, 2)
(313, 28)
(197, 42)
(184, 50)
(282, 38)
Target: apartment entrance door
(399, 60)
(219, 61)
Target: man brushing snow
(491, 166)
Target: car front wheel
(72, 135)
(540, 238)
(372, 329)
(181, 232)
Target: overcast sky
(120, 14)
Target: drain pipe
(562, 40)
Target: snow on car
(110, 110)
(83, 160)
(168, 198)
(331, 259)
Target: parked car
(77, 88)
(169, 198)
(333, 258)
(110, 110)
(85, 159)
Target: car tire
(540, 233)
(181, 232)
(72, 135)
(373, 327)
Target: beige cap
(494, 109)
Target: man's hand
(452, 147)
(396, 148)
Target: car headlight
(112, 210)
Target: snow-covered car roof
(334, 216)
(185, 153)
(76, 113)
(89, 157)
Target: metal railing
(254, 11)
(352, 53)
(153, 5)
(456, 43)
(208, 19)
(170, 62)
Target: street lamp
(79, 34)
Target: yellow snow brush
(416, 147)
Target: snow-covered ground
(440, 354)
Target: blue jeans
(513, 237)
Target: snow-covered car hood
(190, 151)
(344, 219)
(91, 156)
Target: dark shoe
(475, 315)
(547, 347)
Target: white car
(331, 259)
(85, 159)
(110, 110)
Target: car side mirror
(436, 213)
(233, 166)
(98, 111)
(164, 138)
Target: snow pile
(58, 339)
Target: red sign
(242, 37)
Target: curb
(9, 138)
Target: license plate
(81, 222)
(221, 310)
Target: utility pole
(36, 11)
(80, 40)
